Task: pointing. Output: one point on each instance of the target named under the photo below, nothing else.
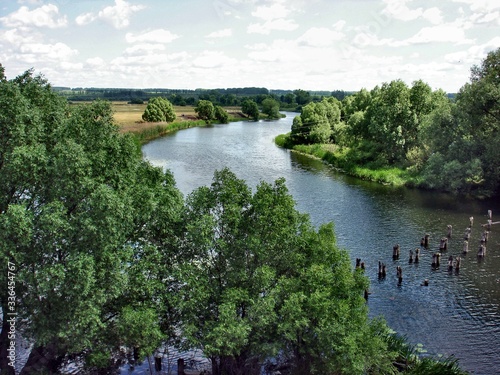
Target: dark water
(457, 314)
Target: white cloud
(154, 36)
(213, 59)
(85, 18)
(220, 34)
(145, 48)
(268, 26)
(474, 54)
(44, 16)
(95, 62)
(117, 15)
(272, 12)
(398, 9)
(57, 51)
(320, 37)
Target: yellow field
(129, 116)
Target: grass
(338, 158)
(129, 118)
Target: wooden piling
(450, 230)
(426, 240)
(443, 244)
(465, 247)
(417, 255)
(395, 252)
(411, 257)
(180, 366)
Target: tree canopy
(80, 213)
(159, 109)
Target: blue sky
(278, 44)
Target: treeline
(412, 134)
(104, 259)
(289, 99)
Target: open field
(129, 116)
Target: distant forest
(225, 97)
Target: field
(129, 116)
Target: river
(457, 314)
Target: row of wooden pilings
(454, 263)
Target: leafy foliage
(250, 108)
(263, 281)
(159, 109)
(78, 209)
(205, 110)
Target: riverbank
(339, 159)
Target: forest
(411, 135)
(103, 259)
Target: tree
(78, 210)
(263, 281)
(302, 97)
(205, 110)
(221, 115)
(159, 109)
(271, 107)
(250, 108)
(391, 122)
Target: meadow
(129, 118)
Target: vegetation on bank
(411, 136)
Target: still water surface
(457, 314)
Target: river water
(457, 314)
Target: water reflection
(456, 314)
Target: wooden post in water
(426, 240)
(450, 263)
(467, 233)
(417, 255)
(450, 230)
(482, 251)
(381, 270)
(436, 260)
(471, 221)
(490, 215)
(158, 363)
(411, 257)
(443, 245)
(395, 252)
(457, 263)
(466, 247)
(399, 273)
(180, 366)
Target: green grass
(340, 159)
(147, 134)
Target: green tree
(271, 108)
(159, 109)
(391, 122)
(302, 97)
(250, 108)
(205, 110)
(221, 115)
(263, 281)
(78, 208)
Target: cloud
(320, 37)
(57, 51)
(145, 48)
(117, 15)
(220, 34)
(153, 36)
(398, 9)
(44, 16)
(272, 12)
(212, 59)
(474, 54)
(268, 26)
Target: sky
(277, 44)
